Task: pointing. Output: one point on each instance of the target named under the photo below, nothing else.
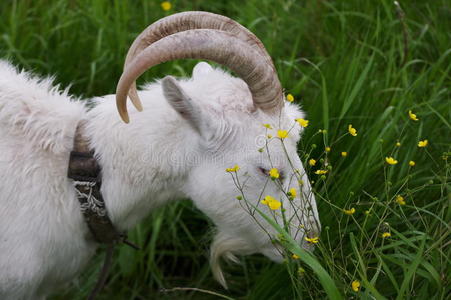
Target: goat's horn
(188, 21)
(215, 45)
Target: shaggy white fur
(190, 131)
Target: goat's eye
(263, 171)
(281, 176)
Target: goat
(189, 131)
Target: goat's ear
(201, 69)
(182, 103)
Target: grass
(347, 62)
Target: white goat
(189, 132)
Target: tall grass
(347, 62)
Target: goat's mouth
(277, 252)
(274, 252)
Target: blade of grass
(326, 281)
(411, 270)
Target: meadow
(384, 202)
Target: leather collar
(85, 172)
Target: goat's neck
(144, 162)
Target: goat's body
(176, 148)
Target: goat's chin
(226, 247)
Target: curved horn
(188, 21)
(218, 46)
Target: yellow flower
(234, 169)
(422, 144)
(391, 161)
(344, 154)
(398, 144)
(275, 205)
(290, 98)
(282, 133)
(274, 173)
(321, 172)
(302, 122)
(269, 136)
(349, 211)
(271, 202)
(294, 256)
(267, 199)
(312, 162)
(352, 130)
(166, 5)
(327, 149)
(267, 126)
(292, 192)
(400, 200)
(313, 240)
(413, 116)
(411, 163)
(386, 235)
(355, 285)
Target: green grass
(346, 62)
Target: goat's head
(228, 114)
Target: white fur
(177, 147)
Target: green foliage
(347, 62)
